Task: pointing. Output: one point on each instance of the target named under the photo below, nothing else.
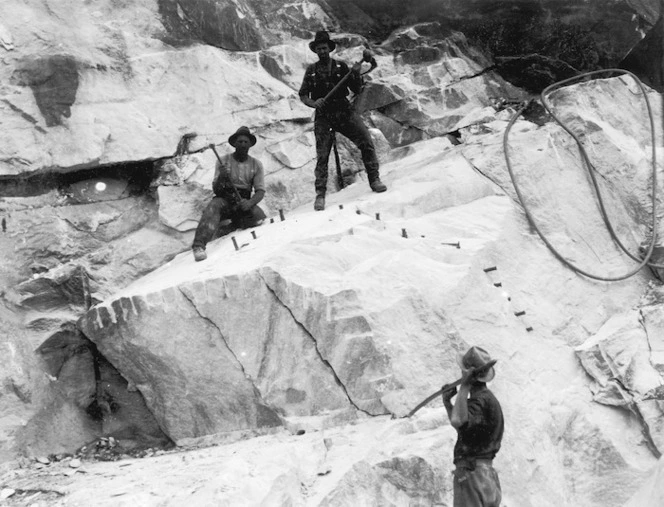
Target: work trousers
(220, 209)
(477, 488)
(347, 122)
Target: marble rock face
(379, 293)
(353, 314)
(97, 101)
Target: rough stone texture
(618, 359)
(218, 398)
(618, 143)
(86, 398)
(388, 313)
(58, 427)
(542, 39)
(181, 206)
(104, 102)
(652, 491)
(57, 260)
(20, 382)
(215, 397)
(376, 318)
(130, 98)
(54, 83)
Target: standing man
(478, 419)
(335, 114)
(235, 175)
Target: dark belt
(472, 463)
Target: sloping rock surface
(348, 315)
(98, 187)
(378, 294)
(652, 492)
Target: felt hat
(476, 357)
(322, 37)
(242, 131)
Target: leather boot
(377, 185)
(319, 203)
(199, 254)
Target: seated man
(235, 175)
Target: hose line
(591, 170)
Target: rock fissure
(221, 335)
(25, 116)
(406, 125)
(631, 401)
(490, 68)
(642, 321)
(478, 170)
(315, 342)
(645, 430)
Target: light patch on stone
(98, 322)
(6, 38)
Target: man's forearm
(448, 408)
(307, 101)
(459, 415)
(257, 197)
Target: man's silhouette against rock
(478, 419)
(234, 178)
(335, 114)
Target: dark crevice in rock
(102, 183)
(533, 72)
(318, 352)
(485, 70)
(103, 404)
(83, 378)
(455, 137)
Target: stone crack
(318, 352)
(221, 335)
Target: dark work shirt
(320, 79)
(480, 437)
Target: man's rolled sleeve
(475, 415)
(259, 178)
(307, 83)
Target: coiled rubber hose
(645, 261)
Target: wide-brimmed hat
(322, 36)
(242, 131)
(476, 357)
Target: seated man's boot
(319, 203)
(199, 253)
(377, 185)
